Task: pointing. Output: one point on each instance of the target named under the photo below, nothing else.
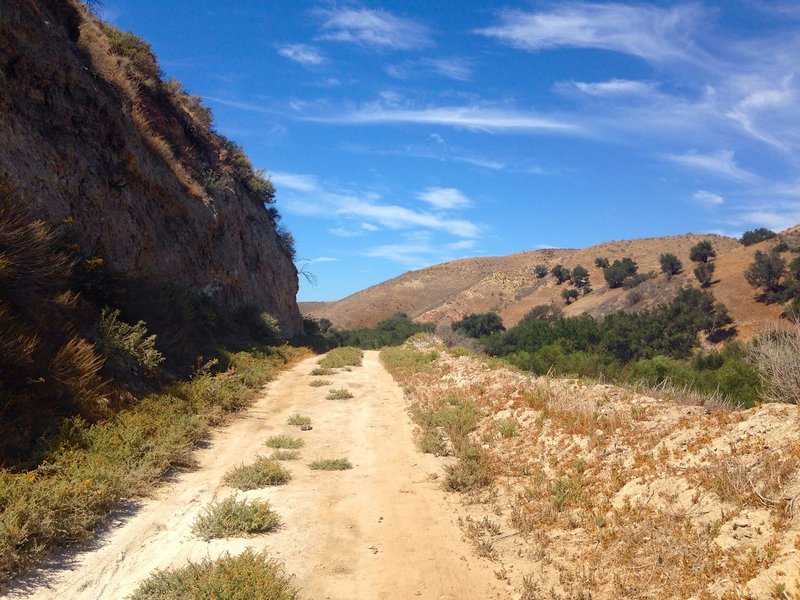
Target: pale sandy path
(381, 530)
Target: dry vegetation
(584, 490)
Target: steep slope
(508, 285)
(128, 167)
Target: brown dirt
(381, 530)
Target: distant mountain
(509, 286)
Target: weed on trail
(318, 371)
(235, 518)
(284, 441)
(261, 473)
(299, 420)
(339, 394)
(279, 454)
(248, 576)
(319, 382)
(342, 357)
(330, 464)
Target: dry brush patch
(607, 492)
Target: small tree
(569, 294)
(543, 312)
(757, 235)
(702, 252)
(670, 264)
(616, 273)
(766, 271)
(704, 273)
(561, 273)
(580, 277)
(601, 262)
(479, 325)
(540, 271)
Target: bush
(670, 264)
(569, 294)
(704, 273)
(389, 332)
(702, 252)
(540, 271)
(601, 262)
(632, 281)
(284, 441)
(579, 277)
(127, 345)
(341, 357)
(479, 325)
(766, 271)
(561, 273)
(143, 63)
(235, 518)
(330, 464)
(299, 420)
(616, 273)
(776, 353)
(339, 394)
(248, 576)
(757, 235)
(261, 473)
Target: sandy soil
(384, 529)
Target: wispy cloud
(444, 198)
(322, 259)
(708, 198)
(308, 56)
(612, 87)
(303, 194)
(467, 117)
(375, 28)
(720, 163)
(649, 32)
(452, 67)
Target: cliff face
(129, 163)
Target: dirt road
(384, 529)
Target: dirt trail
(381, 530)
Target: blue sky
(403, 134)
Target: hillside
(508, 285)
(127, 166)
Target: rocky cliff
(129, 167)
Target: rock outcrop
(130, 165)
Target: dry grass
(261, 473)
(777, 354)
(235, 518)
(339, 394)
(319, 382)
(247, 576)
(298, 420)
(342, 357)
(330, 464)
(320, 371)
(284, 441)
(281, 454)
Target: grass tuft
(235, 518)
(261, 473)
(279, 454)
(320, 382)
(472, 471)
(284, 441)
(342, 357)
(248, 576)
(339, 394)
(318, 371)
(330, 464)
(298, 420)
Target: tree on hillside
(766, 271)
(670, 264)
(601, 262)
(540, 271)
(479, 325)
(616, 273)
(704, 273)
(702, 252)
(561, 273)
(580, 277)
(569, 294)
(757, 235)
(543, 312)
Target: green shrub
(248, 576)
(479, 325)
(757, 235)
(342, 357)
(298, 420)
(330, 464)
(339, 394)
(319, 371)
(284, 441)
(261, 473)
(126, 344)
(235, 518)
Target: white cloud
(708, 198)
(304, 195)
(322, 259)
(720, 163)
(468, 117)
(303, 54)
(450, 67)
(444, 198)
(375, 28)
(614, 87)
(462, 245)
(647, 31)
